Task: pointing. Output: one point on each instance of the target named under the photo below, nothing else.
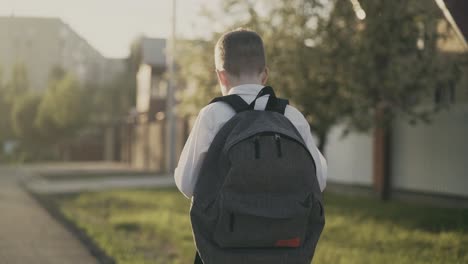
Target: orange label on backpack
(293, 242)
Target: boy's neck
(241, 84)
(241, 80)
(245, 80)
(244, 83)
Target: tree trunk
(381, 164)
(323, 138)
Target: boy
(241, 70)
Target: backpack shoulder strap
(274, 103)
(277, 105)
(234, 100)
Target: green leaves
(63, 109)
(40, 122)
(197, 74)
(23, 117)
(18, 83)
(333, 66)
(399, 65)
(16, 87)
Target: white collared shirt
(210, 120)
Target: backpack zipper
(269, 133)
(231, 222)
(278, 145)
(257, 147)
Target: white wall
(432, 158)
(349, 158)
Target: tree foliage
(197, 74)
(304, 62)
(112, 102)
(135, 57)
(12, 88)
(18, 83)
(63, 110)
(45, 124)
(4, 112)
(333, 66)
(287, 28)
(396, 64)
(23, 117)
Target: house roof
(459, 10)
(154, 52)
(455, 13)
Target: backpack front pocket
(261, 223)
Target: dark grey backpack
(257, 198)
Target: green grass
(152, 226)
(65, 176)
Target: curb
(46, 203)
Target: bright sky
(111, 25)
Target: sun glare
(361, 14)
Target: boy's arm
(322, 167)
(193, 154)
(303, 128)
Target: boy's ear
(222, 78)
(264, 75)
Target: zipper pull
(257, 147)
(278, 145)
(231, 222)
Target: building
(44, 43)
(151, 85)
(144, 139)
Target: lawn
(65, 176)
(152, 226)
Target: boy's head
(240, 59)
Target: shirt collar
(246, 89)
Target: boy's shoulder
(221, 110)
(293, 112)
(214, 108)
(215, 114)
(217, 108)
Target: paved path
(28, 234)
(65, 169)
(79, 185)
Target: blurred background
(383, 84)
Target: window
(444, 95)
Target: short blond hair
(240, 52)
